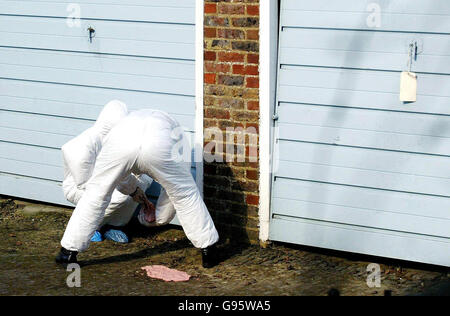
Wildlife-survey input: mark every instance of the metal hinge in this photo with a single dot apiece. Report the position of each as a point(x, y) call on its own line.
point(275, 117)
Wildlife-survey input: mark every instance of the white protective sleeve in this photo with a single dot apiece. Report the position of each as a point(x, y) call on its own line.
point(79, 155)
point(128, 185)
point(122, 207)
point(71, 192)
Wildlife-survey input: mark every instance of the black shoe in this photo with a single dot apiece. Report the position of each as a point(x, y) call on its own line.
point(210, 257)
point(66, 257)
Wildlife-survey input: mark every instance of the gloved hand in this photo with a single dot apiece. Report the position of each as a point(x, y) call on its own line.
point(139, 196)
point(147, 215)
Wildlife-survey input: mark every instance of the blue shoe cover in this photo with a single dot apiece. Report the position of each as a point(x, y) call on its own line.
point(116, 236)
point(97, 237)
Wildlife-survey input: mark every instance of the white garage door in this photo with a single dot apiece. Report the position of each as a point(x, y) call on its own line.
point(356, 169)
point(56, 75)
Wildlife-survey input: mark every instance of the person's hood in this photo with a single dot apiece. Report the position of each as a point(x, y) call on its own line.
point(111, 114)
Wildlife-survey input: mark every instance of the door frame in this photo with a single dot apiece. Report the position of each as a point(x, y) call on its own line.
point(199, 93)
point(269, 29)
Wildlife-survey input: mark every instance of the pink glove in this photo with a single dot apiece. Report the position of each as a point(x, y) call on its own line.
point(147, 215)
point(149, 211)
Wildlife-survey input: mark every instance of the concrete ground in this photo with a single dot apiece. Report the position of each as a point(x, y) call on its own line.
point(31, 234)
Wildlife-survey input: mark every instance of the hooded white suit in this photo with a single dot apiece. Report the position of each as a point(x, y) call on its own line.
point(79, 157)
point(141, 144)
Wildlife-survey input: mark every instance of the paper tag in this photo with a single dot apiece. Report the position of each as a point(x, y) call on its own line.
point(408, 87)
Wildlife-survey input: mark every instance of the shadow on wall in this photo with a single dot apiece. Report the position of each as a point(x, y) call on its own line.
point(225, 198)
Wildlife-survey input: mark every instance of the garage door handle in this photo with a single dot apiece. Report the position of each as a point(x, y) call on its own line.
point(91, 31)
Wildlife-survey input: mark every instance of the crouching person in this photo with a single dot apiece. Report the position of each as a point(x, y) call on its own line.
point(79, 157)
point(142, 144)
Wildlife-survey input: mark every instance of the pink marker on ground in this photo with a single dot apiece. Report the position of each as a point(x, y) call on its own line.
point(166, 274)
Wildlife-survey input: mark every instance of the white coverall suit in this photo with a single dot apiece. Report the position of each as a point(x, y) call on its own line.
point(141, 143)
point(79, 157)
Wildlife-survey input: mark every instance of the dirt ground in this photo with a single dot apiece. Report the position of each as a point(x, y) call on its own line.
point(30, 241)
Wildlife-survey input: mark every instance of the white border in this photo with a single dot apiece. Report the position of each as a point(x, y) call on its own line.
point(268, 76)
point(199, 77)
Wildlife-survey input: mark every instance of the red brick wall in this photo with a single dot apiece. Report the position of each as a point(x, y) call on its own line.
point(231, 100)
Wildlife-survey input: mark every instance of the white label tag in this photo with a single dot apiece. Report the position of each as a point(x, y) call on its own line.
point(408, 87)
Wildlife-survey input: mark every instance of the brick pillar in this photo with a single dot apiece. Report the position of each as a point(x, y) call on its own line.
point(231, 89)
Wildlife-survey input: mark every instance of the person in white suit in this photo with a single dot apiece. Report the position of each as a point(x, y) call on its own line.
point(143, 143)
point(79, 157)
